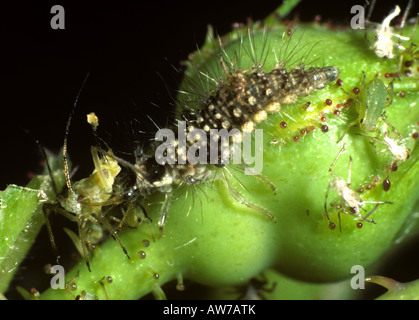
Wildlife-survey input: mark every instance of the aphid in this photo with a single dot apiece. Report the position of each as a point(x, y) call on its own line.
point(84, 200)
point(371, 105)
point(348, 201)
point(397, 147)
point(384, 44)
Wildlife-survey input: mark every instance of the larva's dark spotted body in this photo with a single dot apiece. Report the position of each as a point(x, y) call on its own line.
point(241, 102)
point(247, 99)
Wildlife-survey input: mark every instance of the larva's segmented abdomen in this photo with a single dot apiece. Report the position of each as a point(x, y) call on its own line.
point(246, 99)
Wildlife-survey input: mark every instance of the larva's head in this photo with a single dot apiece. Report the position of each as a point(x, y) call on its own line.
point(332, 73)
point(322, 76)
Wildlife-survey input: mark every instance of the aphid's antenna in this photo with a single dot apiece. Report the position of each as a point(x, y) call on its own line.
point(67, 129)
point(336, 160)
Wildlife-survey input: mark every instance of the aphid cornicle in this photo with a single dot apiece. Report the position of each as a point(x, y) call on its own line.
point(348, 201)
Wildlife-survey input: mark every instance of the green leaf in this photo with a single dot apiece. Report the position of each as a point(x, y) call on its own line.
point(21, 218)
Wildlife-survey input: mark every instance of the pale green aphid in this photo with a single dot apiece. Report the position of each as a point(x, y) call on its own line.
point(371, 104)
point(374, 100)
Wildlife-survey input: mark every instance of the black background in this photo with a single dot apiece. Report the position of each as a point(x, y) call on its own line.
point(132, 51)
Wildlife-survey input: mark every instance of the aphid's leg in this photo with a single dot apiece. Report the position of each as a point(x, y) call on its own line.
point(125, 215)
point(46, 208)
point(386, 132)
point(50, 234)
point(129, 212)
point(336, 160)
point(352, 124)
point(390, 90)
point(349, 172)
point(377, 203)
point(325, 204)
point(367, 215)
point(113, 233)
point(340, 221)
point(263, 179)
point(81, 223)
point(239, 198)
